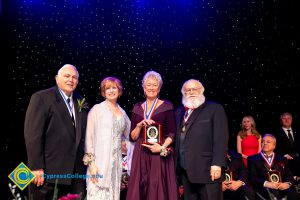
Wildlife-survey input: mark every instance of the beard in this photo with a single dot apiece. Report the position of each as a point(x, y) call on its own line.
point(193, 102)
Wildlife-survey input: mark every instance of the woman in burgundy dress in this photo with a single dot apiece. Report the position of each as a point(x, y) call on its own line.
point(152, 171)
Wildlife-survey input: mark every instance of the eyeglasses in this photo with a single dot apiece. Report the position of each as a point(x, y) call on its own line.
point(189, 90)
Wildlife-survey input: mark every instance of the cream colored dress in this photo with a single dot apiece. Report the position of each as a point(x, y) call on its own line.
point(103, 138)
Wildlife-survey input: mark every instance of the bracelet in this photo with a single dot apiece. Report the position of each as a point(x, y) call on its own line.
point(88, 158)
point(164, 151)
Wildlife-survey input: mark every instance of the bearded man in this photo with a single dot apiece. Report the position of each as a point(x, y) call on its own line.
point(201, 144)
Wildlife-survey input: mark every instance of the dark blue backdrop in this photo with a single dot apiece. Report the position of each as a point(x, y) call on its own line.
point(244, 52)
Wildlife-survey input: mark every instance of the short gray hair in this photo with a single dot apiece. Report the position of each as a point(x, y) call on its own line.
point(67, 65)
point(155, 75)
point(285, 114)
point(270, 135)
point(192, 80)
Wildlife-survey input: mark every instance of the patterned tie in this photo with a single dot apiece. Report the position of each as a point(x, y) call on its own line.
point(73, 120)
point(290, 136)
point(186, 114)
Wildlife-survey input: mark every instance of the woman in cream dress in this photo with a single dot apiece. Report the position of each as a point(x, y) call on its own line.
point(107, 126)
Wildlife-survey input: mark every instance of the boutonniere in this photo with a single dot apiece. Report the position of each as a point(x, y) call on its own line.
point(281, 164)
point(82, 104)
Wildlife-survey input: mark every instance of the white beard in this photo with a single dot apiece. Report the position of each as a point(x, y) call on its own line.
point(193, 103)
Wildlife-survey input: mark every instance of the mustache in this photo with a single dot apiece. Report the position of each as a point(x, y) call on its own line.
point(193, 103)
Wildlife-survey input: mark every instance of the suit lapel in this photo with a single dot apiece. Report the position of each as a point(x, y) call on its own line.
point(180, 120)
point(64, 112)
point(284, 135)
point(286, 139)
point(78, 120)
point(193, 117)
point(278, 164)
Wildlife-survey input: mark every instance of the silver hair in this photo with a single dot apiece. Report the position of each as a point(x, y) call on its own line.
point(155, 75)
point(192, 80)
point(270, 135)
point(67, 65)
point(285, 114)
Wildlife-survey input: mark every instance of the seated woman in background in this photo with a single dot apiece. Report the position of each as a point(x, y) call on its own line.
point(248, 139)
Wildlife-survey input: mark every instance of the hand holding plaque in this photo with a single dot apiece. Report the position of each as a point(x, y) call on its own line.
point(274, 176)
point(152, 133)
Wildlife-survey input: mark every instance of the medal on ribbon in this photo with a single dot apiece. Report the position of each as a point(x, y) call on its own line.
point(152, 133)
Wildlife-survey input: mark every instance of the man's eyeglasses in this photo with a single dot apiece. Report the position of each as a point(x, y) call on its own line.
point(189, 90)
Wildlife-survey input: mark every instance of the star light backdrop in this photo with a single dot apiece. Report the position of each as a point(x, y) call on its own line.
point(245, 53)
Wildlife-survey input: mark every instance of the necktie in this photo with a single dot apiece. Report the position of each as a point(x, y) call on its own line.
point(290, 136)
point(269, 157)
point(73, 120)
point(185, 119)
point(186, 114)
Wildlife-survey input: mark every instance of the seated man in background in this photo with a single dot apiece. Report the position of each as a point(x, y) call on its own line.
point(127, 151)
point(235, 184)
point(269, 173)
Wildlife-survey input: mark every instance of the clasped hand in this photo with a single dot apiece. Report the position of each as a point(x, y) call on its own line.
point(277, 186)
point(39, 177)
point(93, 170)
point(231, 185)
point(145, 122)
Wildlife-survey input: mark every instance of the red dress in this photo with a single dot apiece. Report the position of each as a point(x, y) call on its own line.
point(250, 146)
point(152, 177)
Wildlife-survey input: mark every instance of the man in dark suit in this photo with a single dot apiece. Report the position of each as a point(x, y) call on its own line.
point(236, 178)
point(288, 142)
point(201, 144)
point(54, 133)
point(269, 172)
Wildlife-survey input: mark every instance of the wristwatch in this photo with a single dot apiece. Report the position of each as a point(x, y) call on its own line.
point(243, 183)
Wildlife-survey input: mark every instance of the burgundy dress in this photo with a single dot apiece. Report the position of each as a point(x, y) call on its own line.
point(152, 176)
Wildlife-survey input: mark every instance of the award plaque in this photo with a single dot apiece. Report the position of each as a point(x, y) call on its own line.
point(152, 133)
point(228, 175)
point(274, 176)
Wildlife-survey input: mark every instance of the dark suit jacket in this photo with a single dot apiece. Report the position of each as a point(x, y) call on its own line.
point(52, 143)
point(236, 165)
point(205, 141)
point(258, 171)
point(283, 145)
